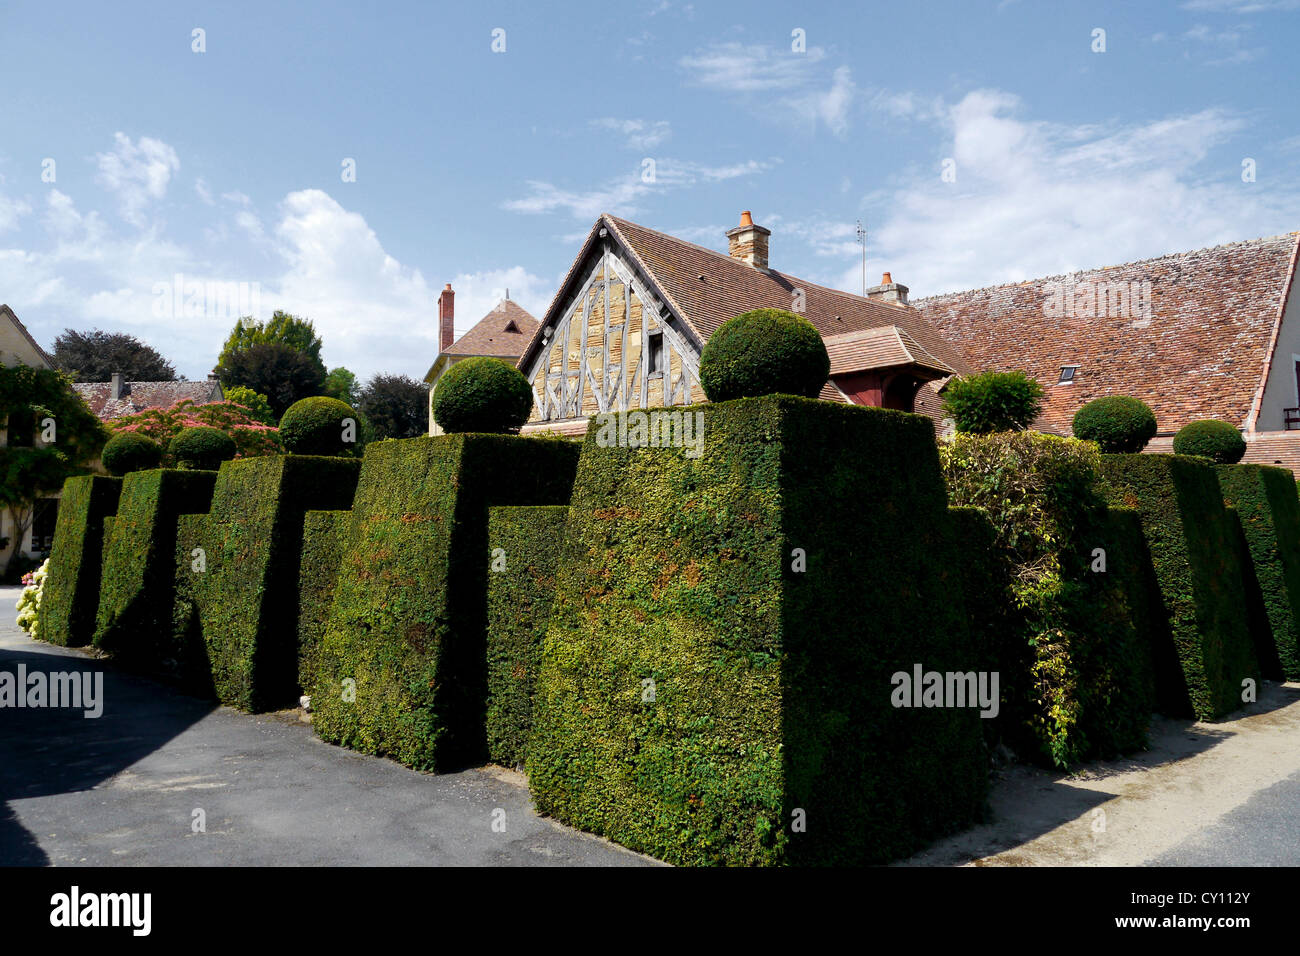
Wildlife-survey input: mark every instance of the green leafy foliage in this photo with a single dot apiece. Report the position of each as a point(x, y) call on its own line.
point(1266, 503)
point(321, 426)
point(1219, 441)
point(409, 619)
point(993, 402)
point(701, 680)
point(126, 452)
point(324, 534)
point(202, 447)
point(525, 545)
point(95, 356)
point(255, 403)
point(762, 352)
point(343, 385)
point(137, 583)
point(283, 329)
point(483, 395)
point(396, 406)
point(251, 436)
point(1191, 542)
point(1117, 423)
point(1076, 675)
point(283, 374)
point(71, 594)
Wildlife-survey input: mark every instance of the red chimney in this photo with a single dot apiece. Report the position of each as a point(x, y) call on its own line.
point(446, 317)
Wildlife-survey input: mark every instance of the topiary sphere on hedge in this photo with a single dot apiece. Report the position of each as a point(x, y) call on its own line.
point(482, 395)
point(202, 447)
point(128, 452)
point(1117, 423)
point(1213, 439)
point(762, 352)
point(320, 426)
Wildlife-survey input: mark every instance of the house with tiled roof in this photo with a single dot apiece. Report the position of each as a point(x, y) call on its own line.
point(628, 324)
point(1213, 333)
point(503, 333)
point(117, 398)
point(17, 347)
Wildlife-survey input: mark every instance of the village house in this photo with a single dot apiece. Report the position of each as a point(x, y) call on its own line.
point(627, 326)
point(503, 333)
point(117, 398)
point(17, 347)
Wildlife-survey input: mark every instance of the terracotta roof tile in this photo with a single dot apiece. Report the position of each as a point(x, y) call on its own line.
point(138, 396)
point(493, 334)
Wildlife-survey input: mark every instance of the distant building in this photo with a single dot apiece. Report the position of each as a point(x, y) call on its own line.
point(503, 333)
point(17, 347)
point(117, 398)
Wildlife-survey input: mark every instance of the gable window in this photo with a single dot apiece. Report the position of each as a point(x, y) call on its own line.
point(1067, 374)
point(656, 352)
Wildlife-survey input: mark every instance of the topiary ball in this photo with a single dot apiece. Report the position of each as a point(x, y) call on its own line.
point(1118, 423)
point(482, 395)
point(127, 452)
point(202, 447)
point(320, 426)
point(762, 352)
point(1212, 439)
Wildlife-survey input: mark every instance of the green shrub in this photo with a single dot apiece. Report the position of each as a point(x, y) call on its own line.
point(762, 352)
point(1266, 502)
point(409, 616)
point(323, 535)
point(1075, 673)
point(240, 611)
point(1117, 423)
point(525, 547)
point(1218, 441)
point(993, 402)
point(1191, 542)
point(706, 683)
point(320, 426)
point(483, 395)
point(1255, 611)
point(126, 452)
point(71, 593)
point(137, 585)
point(201, 447)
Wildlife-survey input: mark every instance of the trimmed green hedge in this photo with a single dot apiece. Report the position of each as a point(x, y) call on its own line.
point(762, 352)
point(1219, 441)
point(482, 394)
point(1256, 611)
point(524, 547)
point(716, 682)
point(1266, 501)
point(1192, 545)
point(245, 604)
point(137, 585)
point(323, 535)
point(71, 595)
point(409, 616)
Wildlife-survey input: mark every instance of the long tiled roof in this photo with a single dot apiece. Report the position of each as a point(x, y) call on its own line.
point(1200, 350)
point(137, 396)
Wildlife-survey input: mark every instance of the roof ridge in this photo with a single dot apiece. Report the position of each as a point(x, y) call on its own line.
point(1117, 265)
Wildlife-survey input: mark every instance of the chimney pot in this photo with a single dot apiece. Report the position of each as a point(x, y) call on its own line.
point(886, 279)
point(446, 318)
point(748, 242)
point(889, 291)
point(115, 387)
point(746, 219)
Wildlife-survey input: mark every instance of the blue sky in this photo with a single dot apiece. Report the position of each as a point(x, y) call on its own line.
point(485, 169)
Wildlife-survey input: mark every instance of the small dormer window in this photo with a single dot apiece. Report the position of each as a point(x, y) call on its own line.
point(511, 327)
point(1067, 374)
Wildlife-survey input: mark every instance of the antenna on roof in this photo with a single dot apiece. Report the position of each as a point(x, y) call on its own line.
point(862, 238)
point(507, 293)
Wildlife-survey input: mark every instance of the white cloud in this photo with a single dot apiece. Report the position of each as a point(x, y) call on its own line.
point(137, 172)
point(12, 210)
point(203, 192)
point(1241, 6)
point(755, 68)
point(830, 107)
point(637, 133)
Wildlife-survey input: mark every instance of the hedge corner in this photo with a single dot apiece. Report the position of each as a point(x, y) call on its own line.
point(71, 598)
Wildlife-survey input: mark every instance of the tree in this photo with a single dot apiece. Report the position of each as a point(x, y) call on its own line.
point(251, 436)
point(397, 406)
point(282, 373)
point(993, 402)
point(95, 355)
point(283, 329)
point(342, 384)
point(256, 403)
point(52, 435)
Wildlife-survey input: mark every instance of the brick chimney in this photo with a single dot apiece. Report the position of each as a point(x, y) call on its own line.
point(115, 387)
point(889, 291)
point(446, 317)
point(748, 242)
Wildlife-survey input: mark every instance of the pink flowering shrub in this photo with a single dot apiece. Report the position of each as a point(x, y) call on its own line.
point(252, 438)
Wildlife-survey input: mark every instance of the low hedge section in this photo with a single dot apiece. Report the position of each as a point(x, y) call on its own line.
point(1256, 611)
point(716, 684)
point(402, 665)
point(524, 550)
point(323, 536)
point(1192, 544)
point(244, 603)
point(137, 585)
point(71, 595)
point(1266, 501)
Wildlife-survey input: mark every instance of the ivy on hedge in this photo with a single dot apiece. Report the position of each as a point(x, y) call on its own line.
point(717, 669)
point(408, 622)
point(524, 548)
point(1191, 541)
point(137, 585)
point(1266, 502)
point(244, 604)
point(323, 535)
point(71, 596)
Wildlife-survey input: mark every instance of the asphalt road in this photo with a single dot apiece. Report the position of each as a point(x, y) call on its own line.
point(124, 788)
